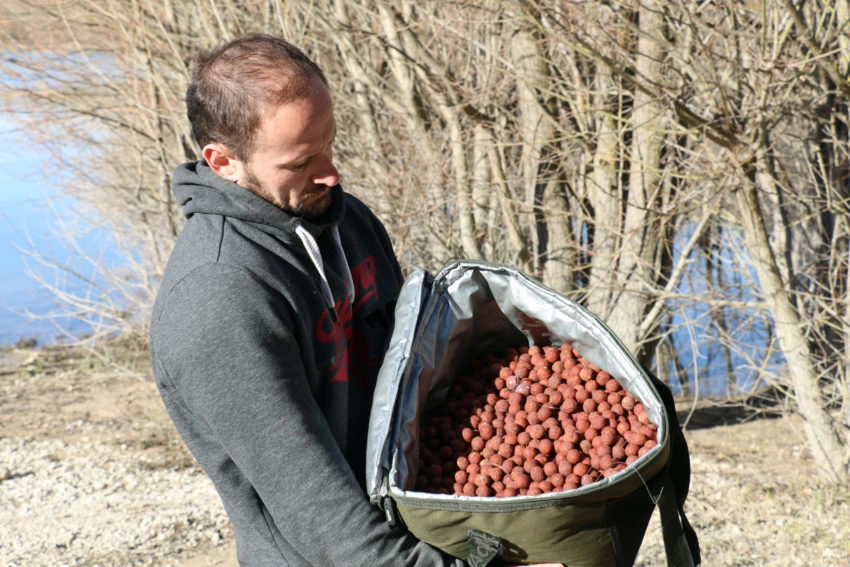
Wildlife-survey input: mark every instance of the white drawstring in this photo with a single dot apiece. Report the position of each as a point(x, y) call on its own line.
point(316, 257)
point(349, 281)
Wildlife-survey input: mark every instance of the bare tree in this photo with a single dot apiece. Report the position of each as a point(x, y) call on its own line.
point(99, 85)
point(646, 158)
point(750, 79)
point(663, 99)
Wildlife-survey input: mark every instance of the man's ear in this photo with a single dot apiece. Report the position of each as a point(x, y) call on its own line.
point(222, 161)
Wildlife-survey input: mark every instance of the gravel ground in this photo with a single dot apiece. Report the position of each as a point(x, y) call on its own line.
point(92, 474)
point(92, 503)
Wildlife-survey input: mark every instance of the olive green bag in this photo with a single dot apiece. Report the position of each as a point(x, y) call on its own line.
point(445, 322)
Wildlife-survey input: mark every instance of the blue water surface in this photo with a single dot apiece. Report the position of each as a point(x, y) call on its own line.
point(28, 221)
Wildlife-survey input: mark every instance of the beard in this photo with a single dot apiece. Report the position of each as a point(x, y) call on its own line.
point(312, 204)
point(309, 205)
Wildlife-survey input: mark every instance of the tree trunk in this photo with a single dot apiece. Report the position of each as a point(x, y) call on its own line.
point(543, 193)
point(628, 227)
point(823, 440)
point(603, 193)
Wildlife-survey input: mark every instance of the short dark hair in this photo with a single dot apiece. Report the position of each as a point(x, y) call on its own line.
point(235, 83)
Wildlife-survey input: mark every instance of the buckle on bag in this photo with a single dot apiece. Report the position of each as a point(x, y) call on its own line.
point(483, 548)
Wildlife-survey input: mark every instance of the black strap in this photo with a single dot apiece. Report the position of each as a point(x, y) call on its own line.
point(680, 539)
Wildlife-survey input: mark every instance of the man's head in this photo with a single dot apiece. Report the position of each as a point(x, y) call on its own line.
point(261, 111)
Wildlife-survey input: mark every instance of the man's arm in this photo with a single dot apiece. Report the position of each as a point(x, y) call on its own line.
point(230, 354)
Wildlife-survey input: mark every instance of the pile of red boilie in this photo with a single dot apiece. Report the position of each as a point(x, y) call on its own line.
point(533, 420)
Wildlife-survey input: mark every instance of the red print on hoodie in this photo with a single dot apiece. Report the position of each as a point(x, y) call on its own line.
point(354, 359)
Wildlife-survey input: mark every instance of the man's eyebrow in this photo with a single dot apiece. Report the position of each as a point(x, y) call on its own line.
point(296, 162)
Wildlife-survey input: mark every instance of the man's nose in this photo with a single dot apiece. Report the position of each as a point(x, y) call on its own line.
point(327, 173)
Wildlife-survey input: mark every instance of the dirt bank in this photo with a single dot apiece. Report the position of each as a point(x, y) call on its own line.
point(92, 473)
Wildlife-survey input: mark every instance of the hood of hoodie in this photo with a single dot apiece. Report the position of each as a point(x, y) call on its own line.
point(199, 189)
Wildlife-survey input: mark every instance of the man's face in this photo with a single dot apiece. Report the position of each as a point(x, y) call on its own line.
point(292, 162)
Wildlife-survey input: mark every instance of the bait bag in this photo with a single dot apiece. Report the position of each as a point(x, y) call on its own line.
point(445, 322)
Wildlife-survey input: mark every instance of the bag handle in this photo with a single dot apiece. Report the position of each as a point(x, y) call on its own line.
point(680, 539)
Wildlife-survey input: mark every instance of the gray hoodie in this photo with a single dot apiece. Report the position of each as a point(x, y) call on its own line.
point(266, 338)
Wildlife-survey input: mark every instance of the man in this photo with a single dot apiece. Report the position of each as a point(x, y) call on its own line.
point(274, 313)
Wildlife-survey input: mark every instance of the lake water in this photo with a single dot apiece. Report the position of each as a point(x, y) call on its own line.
point(26, 222)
